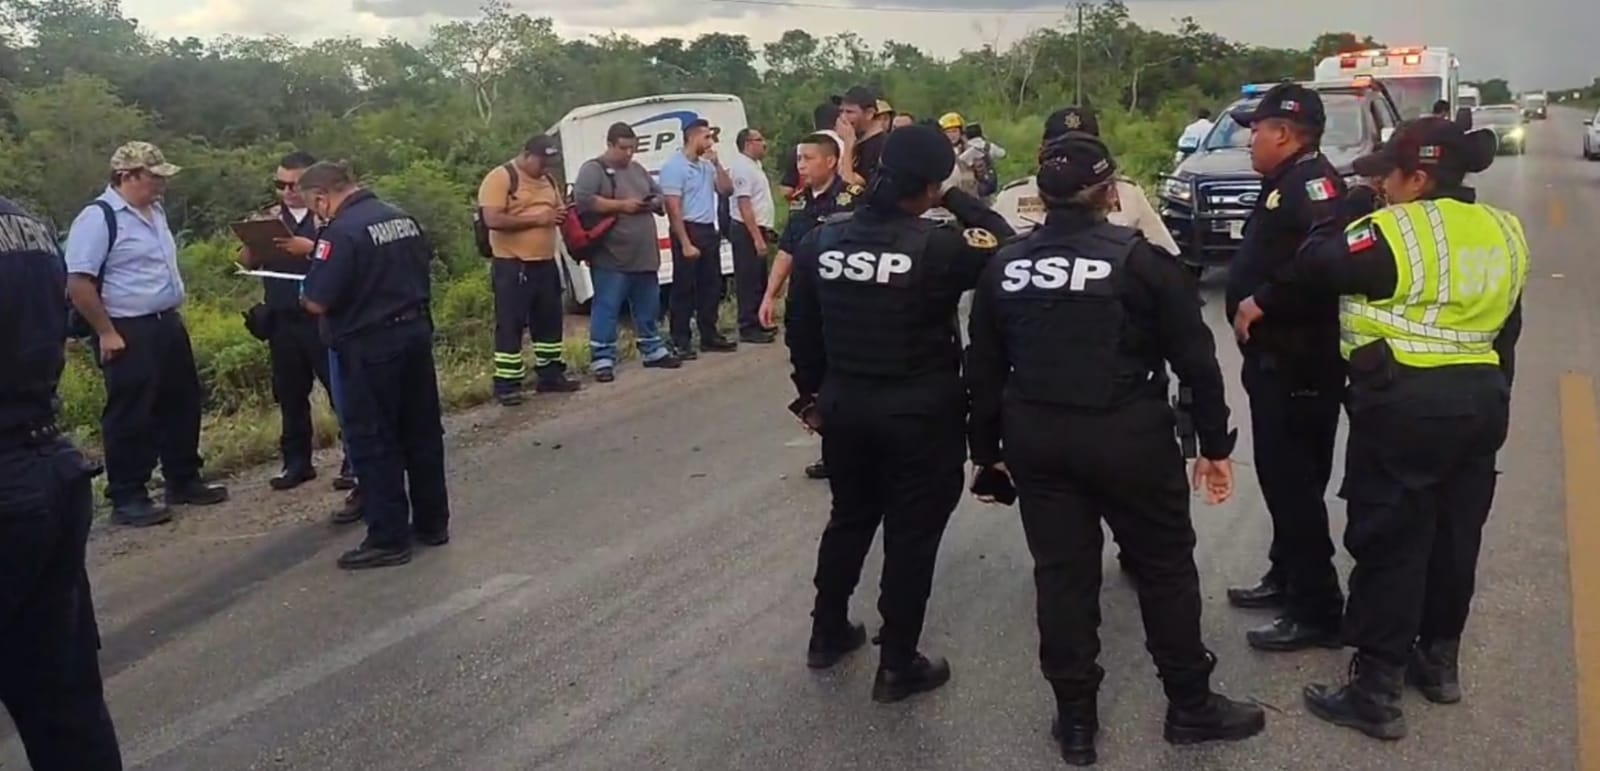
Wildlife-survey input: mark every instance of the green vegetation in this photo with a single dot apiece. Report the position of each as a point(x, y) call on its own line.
point(423, 121)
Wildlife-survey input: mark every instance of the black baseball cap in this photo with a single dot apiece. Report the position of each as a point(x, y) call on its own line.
point(1072, 118)
point(1286, 101)
point(1442, 147)
point(543, 146)
point(1072, 163)
point(918, 153)
point(860, 96)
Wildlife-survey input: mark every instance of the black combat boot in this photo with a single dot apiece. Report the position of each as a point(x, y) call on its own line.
point(897, 683)
point(831, 641)
point(1077, 720)
point(1433, 670)
point(1369, 702)
point(1197, 714)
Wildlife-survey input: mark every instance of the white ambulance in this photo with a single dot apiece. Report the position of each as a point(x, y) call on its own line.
point(1416, 76)
point(658, 121)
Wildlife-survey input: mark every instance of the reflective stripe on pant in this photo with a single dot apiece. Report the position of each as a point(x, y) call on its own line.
point(641, 291)
point(49, 645)
point(527, 297)
point(153, 403)
point(391, 399)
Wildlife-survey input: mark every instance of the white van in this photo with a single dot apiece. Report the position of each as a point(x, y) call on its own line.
point(659, 122)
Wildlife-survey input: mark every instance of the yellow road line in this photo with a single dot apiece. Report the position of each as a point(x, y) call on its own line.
point(1580, 440)
point(1558, 218)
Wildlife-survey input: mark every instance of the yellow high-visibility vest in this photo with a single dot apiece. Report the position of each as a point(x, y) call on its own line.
point(1461, 269)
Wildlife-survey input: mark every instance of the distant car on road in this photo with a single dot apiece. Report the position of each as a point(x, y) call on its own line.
point(1508, 124)
point(1591, 137)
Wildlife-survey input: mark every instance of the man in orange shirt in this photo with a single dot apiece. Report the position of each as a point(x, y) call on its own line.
point(523, 208)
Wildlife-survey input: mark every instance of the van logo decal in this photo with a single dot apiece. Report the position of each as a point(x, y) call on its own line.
point(661, 140)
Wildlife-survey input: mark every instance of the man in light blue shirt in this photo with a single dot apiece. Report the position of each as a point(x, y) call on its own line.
point(691, 180)
point(124, 284)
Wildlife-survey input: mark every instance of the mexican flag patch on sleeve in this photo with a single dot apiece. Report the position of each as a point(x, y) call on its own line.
point(1321, 189)
point(1360, 239)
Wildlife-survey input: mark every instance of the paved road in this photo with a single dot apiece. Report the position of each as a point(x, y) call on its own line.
point(629, 583)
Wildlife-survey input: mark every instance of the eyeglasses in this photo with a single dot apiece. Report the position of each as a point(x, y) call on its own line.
point(282, 185)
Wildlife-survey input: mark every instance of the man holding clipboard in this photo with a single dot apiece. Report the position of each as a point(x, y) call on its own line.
point(278, 240)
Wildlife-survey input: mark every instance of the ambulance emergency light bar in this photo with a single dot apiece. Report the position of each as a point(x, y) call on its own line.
point(1380, 56)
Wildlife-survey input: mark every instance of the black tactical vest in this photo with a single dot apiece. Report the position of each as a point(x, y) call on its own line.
point(1059, 303)
point(884, 314)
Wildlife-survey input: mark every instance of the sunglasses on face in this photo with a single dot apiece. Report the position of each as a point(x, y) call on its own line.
point(282, 185)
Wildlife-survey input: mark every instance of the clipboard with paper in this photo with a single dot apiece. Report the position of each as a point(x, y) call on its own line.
point(262, 236)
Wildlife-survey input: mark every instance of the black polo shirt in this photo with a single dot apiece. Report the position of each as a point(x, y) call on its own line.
point(369, 267)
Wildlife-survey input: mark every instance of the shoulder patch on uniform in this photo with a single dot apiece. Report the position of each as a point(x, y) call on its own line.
point(1321, 189)
point(853, 189)
point(1360, 238)
point(324, 250)
point(1273, 199)
point(843, 199)
point(978, 238)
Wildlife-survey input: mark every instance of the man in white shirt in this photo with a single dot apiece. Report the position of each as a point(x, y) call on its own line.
point(753, 221)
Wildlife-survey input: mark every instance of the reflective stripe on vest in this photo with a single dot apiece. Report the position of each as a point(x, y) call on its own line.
point(1460, 269)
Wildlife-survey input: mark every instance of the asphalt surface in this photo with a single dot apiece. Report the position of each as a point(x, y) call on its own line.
point(629, 582)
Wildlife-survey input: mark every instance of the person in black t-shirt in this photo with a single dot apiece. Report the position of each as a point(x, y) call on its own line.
point(862, 133)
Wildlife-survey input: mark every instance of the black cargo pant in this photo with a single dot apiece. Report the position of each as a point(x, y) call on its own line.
point(153, 403)
point(696, 286)
point(299, 360)
point(1294, 423)
point(1419, 481)
point(896, 454)
point(1074, 469)
point(396, 434)
point(749, 276)
point(527, 297)
point(49, 645)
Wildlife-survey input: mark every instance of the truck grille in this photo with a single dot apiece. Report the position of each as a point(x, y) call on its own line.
point(1228, 197)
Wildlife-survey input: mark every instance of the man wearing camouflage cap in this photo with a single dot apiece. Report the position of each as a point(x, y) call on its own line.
point(125, 286)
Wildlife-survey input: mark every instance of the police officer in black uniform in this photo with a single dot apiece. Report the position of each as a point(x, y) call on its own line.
point(49, 644)
point(370, 279)
point(872, 342)
point(1292, 370)
point(298, 353)
point(1072, 329)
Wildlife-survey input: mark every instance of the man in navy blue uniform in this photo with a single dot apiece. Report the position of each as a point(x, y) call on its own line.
point(49, 666)
point(369, 279)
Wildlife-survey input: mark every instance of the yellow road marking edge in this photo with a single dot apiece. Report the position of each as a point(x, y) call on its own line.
point(1580, 441)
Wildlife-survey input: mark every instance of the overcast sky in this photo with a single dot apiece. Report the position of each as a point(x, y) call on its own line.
point(1534, 43)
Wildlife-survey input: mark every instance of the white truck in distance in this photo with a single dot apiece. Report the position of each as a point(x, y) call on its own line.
point(1468, 97)
point(659, 122)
